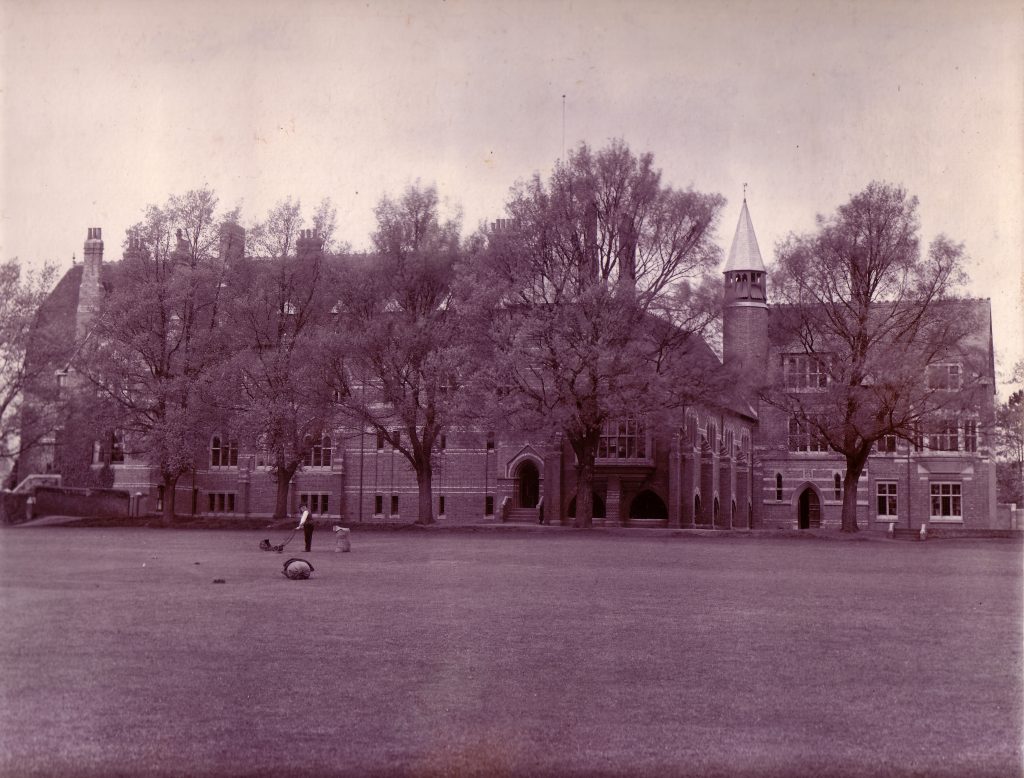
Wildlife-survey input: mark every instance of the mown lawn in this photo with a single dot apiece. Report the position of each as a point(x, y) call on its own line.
point(507, 654)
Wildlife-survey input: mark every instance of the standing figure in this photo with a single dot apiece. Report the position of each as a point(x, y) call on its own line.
point(306, 525)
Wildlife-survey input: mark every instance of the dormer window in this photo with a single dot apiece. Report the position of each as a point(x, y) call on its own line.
point(944, 377)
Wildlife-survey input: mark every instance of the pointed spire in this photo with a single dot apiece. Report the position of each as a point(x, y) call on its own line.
point(744, 254)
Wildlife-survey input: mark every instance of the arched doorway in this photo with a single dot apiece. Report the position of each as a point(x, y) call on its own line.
point(809, 509)
point(648, 505)
point(716, 511)
point(527, 484)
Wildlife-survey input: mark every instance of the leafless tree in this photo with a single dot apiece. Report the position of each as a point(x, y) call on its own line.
point(587, 320)
point(873, 341)
point(151, 350)
point(31, 350)
point(270, 386)
point(398, 352)
point(1009, 440)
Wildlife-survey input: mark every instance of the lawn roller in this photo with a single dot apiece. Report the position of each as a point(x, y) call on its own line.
point(266, 546)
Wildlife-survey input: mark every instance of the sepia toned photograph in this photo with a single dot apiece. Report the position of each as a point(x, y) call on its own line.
point(512, 388)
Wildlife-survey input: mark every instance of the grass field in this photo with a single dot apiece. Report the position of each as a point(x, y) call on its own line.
point(507, 654)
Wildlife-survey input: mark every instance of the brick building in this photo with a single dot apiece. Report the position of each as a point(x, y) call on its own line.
point(728, 464)
point(945, 477)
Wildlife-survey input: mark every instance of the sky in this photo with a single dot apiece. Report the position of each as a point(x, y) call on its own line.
point(109, 105)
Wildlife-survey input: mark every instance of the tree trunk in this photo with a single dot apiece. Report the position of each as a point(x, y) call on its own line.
point(585, 454)
point(424, 481)
point(284, 482)
point(853, 470)
point(281, 498)
point(170, 485)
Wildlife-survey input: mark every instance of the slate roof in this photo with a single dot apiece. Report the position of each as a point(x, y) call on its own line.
point(744, 253)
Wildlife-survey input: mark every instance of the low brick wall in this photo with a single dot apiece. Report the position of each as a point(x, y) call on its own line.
point(966, 532)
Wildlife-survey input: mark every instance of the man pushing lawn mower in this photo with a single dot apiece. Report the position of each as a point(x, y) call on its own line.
point(306, 525)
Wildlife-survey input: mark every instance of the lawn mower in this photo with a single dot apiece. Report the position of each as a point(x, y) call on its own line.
point(265, 544)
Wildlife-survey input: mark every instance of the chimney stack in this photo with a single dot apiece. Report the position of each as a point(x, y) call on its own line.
point(232, 243)
point(134, 250)
point(90, 292)
point(94, 249)
point(182, 250)
point(309, 245)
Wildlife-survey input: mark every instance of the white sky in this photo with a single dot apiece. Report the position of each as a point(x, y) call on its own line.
point(108, 105)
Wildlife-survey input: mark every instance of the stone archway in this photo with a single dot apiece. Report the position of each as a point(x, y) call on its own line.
point(808, 509)
point(527, 484)
point(648, 505)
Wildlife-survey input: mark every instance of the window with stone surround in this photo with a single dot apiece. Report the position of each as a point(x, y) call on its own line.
point(970, 435)
point(886, 444)
point(317, 502)
point(946, 502)
point(804, 371)
point(223, 452)
point(622, 439)
point(944, 377)
point(942, 435)
point(221, 502)
point(319, 453)
point(804, 436)
point(886, 500)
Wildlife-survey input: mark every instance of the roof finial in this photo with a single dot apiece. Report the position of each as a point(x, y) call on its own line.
point(744, 191)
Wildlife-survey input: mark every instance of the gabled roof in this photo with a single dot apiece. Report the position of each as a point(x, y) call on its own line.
point(744, 254)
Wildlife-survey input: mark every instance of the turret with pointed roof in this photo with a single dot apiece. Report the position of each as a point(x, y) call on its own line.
point(745, 318)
